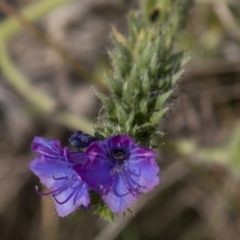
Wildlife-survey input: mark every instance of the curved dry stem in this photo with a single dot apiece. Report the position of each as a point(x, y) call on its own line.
point(34, 12)
point(39, 99)
point(24, 19)
point(227, 19)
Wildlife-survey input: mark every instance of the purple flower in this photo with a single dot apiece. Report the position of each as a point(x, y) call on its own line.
point(56, 168)
point(120, 171)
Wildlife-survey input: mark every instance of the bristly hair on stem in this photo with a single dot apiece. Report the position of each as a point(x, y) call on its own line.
point(145, 68)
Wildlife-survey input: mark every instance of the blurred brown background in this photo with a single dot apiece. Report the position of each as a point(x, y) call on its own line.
point(62, 56)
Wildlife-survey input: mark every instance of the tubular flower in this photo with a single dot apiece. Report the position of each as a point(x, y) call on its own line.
point(56, 169)
point(120, 171)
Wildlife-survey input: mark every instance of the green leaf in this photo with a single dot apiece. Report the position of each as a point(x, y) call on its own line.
point(134, 78)
point(176, 76)
point(156, 116)
point(144, 106)
point(105, 213)
point(154, 64)
point(161, 99)
point(119, 65)
point(127, 91)
point(114, 86)
point(108, 105)
point(145, 55)
point(123, 51)
point(146, 84)
point(132, 28)
point(121, 114)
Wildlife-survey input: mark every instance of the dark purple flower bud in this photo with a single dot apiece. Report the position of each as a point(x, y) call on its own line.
point(81, 140)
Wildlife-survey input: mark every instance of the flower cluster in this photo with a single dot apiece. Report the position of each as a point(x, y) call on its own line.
point(116, 168)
